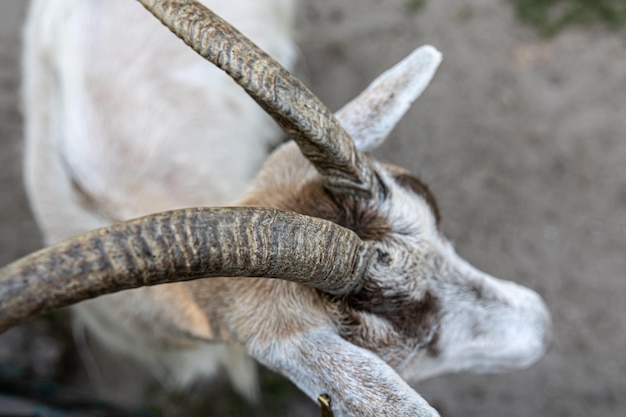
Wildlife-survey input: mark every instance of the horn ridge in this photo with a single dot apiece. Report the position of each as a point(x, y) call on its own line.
point(184, 245)
point(286, 99)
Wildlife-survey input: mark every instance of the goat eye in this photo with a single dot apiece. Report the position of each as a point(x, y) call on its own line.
point(383, 191)
point(383, 257)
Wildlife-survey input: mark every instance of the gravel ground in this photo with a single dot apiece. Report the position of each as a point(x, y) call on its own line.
point(522, 139)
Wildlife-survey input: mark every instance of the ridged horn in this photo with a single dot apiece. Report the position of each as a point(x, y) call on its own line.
point(286, 99)
point(183, 245)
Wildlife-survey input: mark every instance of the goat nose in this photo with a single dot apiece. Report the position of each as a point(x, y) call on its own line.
point(526, 323)
point(539, 326)
point(546, 325)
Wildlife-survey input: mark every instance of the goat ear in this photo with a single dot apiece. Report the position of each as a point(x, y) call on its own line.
point(358, 382)
point(371, 116)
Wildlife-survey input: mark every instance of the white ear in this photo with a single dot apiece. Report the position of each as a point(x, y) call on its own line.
point(358, 383)
point(371, 116)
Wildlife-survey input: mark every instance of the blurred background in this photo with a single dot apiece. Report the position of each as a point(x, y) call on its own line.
point(522, 136)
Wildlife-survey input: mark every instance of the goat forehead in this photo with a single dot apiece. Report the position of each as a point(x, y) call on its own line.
point(413, 250)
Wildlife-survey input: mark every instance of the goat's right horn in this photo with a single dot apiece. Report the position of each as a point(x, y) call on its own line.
point(286, 99)
point(183, 245)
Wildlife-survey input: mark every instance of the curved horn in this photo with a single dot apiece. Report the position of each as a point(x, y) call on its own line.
point(183, 245)
point(296, 109)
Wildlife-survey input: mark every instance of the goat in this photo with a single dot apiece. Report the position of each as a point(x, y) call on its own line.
point(331, 270)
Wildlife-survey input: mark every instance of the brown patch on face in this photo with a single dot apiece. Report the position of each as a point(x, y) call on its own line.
point(414, 184)
point(412, 323)
point(409, 317)
point(362, 217)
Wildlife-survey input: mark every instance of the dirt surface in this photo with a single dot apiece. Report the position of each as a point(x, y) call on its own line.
point(523, 140)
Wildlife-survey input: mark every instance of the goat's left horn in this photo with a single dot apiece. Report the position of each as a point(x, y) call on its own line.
point(179, 246)
point(286, 99)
